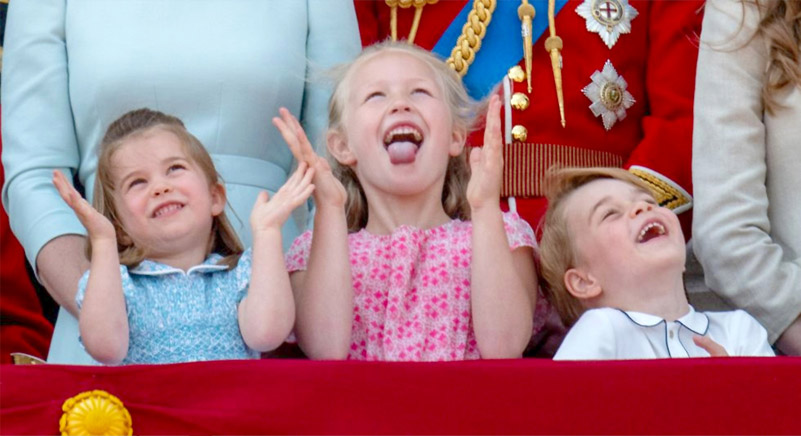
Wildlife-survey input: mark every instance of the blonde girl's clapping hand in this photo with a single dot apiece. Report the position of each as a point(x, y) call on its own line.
point(324, 291)
point(98, 226)
point(486, 163)
point(504, 282)
point(328, 189)
point(271, 213)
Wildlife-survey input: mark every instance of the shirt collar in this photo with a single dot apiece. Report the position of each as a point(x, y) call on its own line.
point(152, 268)
point(697, 322)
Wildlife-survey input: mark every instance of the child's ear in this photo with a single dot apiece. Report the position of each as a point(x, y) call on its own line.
point(338, 147)
point(581, 284)
point(458, 139)
point(218, 198)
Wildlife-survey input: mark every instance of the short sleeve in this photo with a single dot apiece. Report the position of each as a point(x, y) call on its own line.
point(518, 231)
point(128, 288)
point(591, 338)
point(298, 255)
point(241, 274)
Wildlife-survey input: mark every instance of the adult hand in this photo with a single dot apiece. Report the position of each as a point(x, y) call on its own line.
point(59, 265)
point(789, 342)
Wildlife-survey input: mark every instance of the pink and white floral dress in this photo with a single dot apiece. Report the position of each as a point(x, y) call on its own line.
point(412, 290)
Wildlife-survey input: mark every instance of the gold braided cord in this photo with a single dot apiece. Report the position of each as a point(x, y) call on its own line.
point(418, 13)
point(473, 32)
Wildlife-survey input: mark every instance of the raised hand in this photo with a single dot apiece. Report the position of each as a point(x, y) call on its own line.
point(486, 163)
point(328, 189)
point(271, 213)
point(713, 348)
point(98, 226)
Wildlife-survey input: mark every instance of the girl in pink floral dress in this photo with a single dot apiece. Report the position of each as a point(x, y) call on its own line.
point(409, 261)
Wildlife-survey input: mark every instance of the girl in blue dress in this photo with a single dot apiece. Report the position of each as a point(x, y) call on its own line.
point(169, 281)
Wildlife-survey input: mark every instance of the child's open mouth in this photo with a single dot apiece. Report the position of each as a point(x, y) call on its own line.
point(402, 143)
point(651, 230)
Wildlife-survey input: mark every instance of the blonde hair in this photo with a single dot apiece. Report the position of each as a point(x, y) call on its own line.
point(462, 109)
point(139, 122)
point(557, 251)
point(780, 27)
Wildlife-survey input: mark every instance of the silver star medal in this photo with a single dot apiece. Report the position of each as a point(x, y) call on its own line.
point(608, 94)
point(608, 18)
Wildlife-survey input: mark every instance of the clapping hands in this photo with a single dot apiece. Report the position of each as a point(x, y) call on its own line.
point(271, 213)
point(329, 190)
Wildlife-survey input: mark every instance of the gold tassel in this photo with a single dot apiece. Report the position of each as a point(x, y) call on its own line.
point(526, 13)
point(553, 45)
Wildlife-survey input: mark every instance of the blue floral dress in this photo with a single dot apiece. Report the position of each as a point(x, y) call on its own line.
point(177, 316)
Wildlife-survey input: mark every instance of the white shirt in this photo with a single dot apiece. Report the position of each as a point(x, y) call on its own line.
point(608, 333)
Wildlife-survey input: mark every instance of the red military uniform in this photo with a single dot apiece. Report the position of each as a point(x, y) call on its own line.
point(643, 122)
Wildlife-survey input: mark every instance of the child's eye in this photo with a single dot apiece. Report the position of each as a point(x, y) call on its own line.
point(373, 95)
point(608, 214)
point(176, 167)
point(136, 182)
point(422, 91)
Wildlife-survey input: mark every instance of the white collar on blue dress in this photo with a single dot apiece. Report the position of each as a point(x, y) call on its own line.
point(152, 268)
point(697, 322)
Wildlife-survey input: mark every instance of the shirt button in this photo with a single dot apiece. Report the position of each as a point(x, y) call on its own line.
point(670, 333)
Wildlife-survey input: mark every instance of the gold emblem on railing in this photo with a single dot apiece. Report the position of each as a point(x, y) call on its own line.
point(95, 413)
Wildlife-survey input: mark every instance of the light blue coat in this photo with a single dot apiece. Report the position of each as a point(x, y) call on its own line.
point(223, 67)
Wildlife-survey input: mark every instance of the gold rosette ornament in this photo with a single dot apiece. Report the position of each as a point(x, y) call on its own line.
point(95, 413)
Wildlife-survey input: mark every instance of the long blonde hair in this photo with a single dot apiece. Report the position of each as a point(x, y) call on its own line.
point(462, 110)
point(780, 27)
point(138, 122)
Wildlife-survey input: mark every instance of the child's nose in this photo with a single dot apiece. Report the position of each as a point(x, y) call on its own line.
point(160, 189)
point(640, 207)
point(400, 104)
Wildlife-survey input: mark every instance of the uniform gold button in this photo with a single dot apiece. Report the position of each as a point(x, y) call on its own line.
point(519, 101)
point(519, 133)
point(517, 74)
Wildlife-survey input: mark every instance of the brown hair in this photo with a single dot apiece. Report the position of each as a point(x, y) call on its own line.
point(557, 251)
point(780, 27)
point(138, 122)
point(462, 110)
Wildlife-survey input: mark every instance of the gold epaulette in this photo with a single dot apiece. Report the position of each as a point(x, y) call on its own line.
point(667, 193)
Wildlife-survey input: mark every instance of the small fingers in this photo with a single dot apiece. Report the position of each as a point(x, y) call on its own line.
point(713, 348)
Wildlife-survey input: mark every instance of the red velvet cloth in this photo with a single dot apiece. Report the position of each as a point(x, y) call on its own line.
point(524, 396)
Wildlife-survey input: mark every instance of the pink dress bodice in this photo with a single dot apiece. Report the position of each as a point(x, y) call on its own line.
point(412, 290)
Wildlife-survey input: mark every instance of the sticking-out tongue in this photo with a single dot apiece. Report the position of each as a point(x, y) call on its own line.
point(401, 152)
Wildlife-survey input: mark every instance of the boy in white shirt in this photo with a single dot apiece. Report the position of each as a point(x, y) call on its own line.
point(613, 259)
